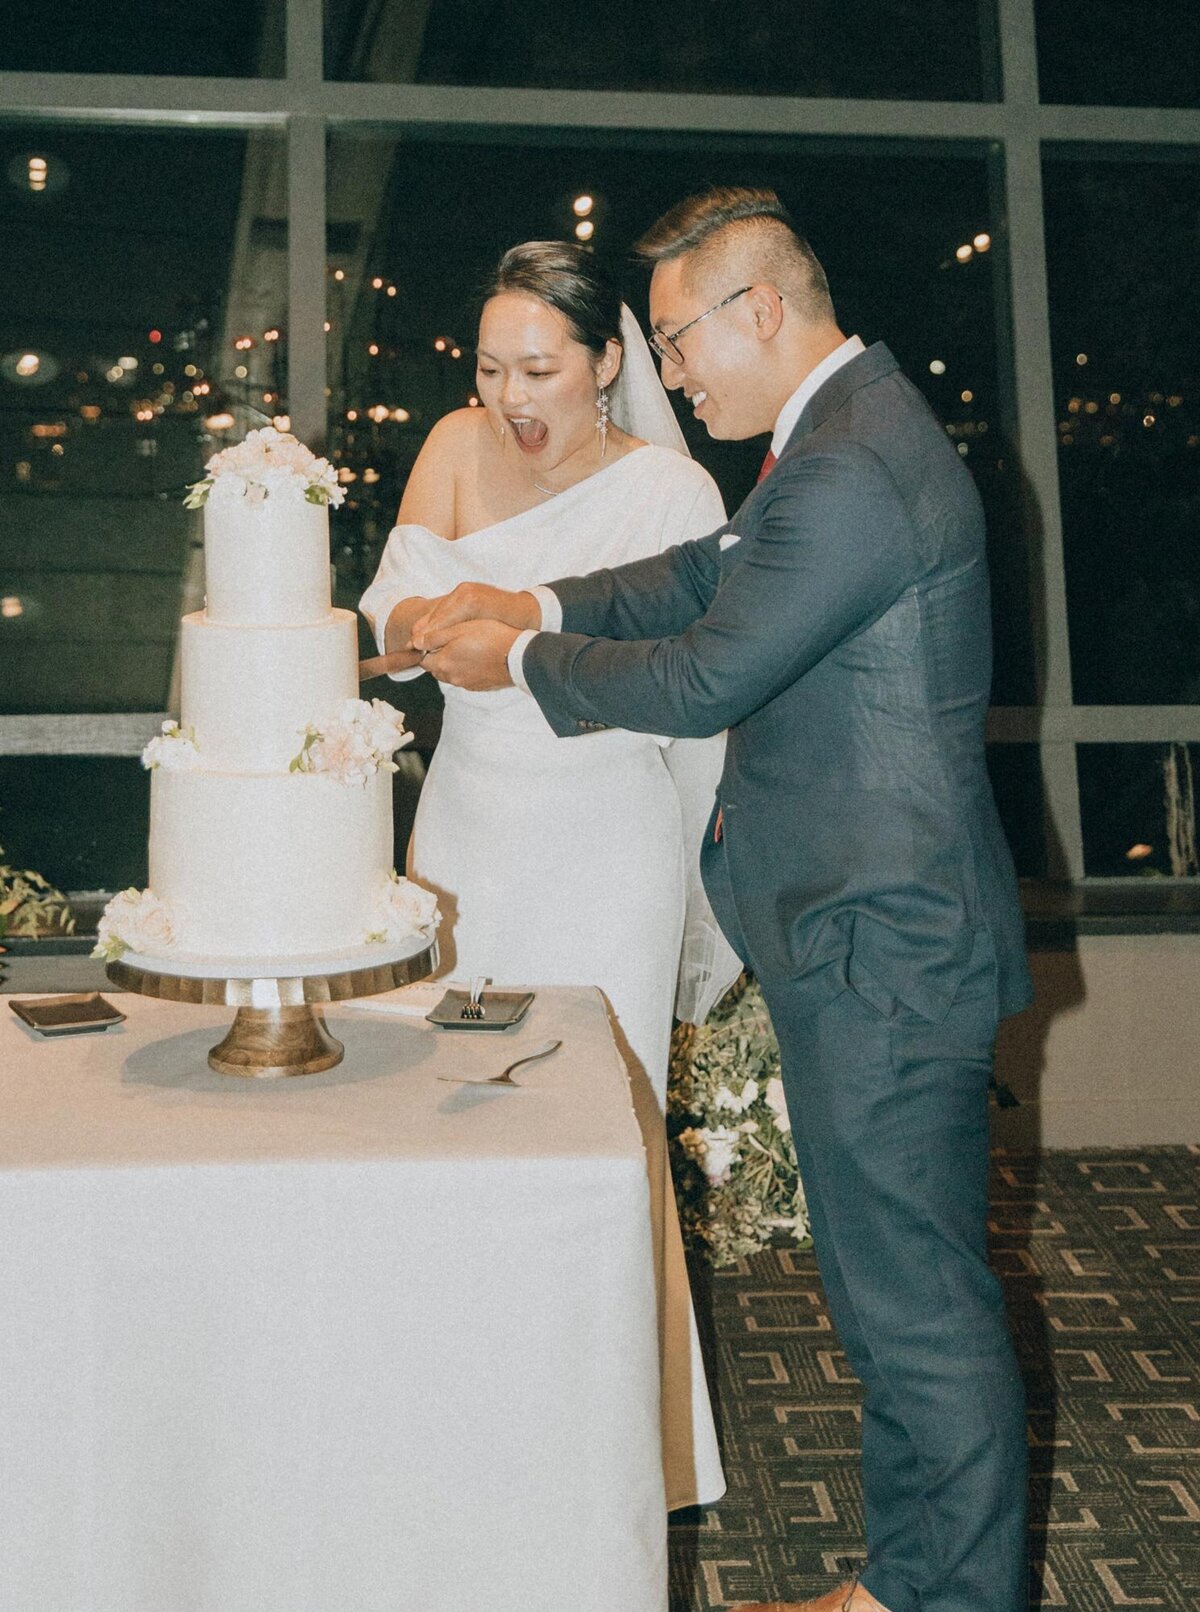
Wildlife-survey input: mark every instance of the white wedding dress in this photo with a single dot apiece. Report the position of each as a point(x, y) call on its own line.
point(572, 861)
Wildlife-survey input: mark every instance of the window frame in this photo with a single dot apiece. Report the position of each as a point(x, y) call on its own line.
point(1015, 127)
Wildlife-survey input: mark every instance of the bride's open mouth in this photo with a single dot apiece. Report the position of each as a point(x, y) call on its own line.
point(530, 434)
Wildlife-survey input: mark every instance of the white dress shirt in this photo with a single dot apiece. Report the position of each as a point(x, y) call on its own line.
point(789, 414)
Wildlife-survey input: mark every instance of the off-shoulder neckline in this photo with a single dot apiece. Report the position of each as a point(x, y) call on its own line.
point(587, 482)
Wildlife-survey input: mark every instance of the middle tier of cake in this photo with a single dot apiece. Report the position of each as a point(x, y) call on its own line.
point(248, 693)
point(269, 866)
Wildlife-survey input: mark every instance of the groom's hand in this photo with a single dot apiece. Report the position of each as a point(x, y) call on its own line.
point(475, 601)
point(471, 654)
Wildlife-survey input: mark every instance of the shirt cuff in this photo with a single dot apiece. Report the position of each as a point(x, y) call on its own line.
point(551, 608)
point(516, 658)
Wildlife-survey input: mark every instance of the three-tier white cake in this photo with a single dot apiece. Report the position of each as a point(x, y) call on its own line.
point(271, 798)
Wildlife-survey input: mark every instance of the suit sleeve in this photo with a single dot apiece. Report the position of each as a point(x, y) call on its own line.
point(832, 548)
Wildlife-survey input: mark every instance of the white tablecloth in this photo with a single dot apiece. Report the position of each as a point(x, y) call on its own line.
point(354, 1342)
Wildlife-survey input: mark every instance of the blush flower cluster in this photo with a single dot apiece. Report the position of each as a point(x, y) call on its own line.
point(354, 743)
point(267, 464)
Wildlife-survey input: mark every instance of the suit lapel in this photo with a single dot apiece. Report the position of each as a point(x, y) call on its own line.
point(864, 368)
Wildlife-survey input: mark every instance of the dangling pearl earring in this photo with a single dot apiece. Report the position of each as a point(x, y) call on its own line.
point(602, 419)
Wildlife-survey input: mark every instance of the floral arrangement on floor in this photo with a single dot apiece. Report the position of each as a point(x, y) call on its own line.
point(355, 743)
point(174, 749)
point(30, 905)
point(731, 1145)
point(266, 464)
point(403, 908)
point(134, 920)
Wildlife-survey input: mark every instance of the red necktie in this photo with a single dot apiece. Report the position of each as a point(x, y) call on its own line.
point(768, 465)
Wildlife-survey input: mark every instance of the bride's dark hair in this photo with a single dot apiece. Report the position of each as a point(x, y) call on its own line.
point(567, 278)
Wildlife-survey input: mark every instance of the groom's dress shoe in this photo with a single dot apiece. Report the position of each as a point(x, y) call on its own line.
point(851, 1597)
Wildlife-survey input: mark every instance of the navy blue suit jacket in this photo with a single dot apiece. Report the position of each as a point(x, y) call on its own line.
point(839, 627)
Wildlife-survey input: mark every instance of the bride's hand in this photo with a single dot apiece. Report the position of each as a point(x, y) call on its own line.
point(472, 654)
point(475, 601)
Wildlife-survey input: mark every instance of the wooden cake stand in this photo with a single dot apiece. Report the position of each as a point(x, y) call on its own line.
point(276, 1031)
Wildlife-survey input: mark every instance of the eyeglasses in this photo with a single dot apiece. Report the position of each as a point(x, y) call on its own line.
point(665, 346)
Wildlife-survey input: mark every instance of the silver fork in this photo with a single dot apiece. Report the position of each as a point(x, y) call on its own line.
point(473, 1009)
point(504, 1078)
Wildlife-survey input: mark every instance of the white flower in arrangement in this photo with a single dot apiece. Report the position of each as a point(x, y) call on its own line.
point(737, 1105)
point(404, 908)
point(777, 1103)
point(354, 743)
point(174, 749)
point(267, 464)
point(134, 920)
point(720, 1153)
point(714, 1149)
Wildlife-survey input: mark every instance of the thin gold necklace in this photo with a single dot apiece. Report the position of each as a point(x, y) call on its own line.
point(553, 492)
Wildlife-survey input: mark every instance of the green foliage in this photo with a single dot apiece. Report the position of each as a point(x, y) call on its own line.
point(730, 1134)
point(29, 905)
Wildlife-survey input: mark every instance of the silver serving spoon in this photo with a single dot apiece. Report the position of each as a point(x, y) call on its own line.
point(504, 1078)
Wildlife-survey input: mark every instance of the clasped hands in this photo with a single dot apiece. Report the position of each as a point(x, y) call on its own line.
point(465, 636)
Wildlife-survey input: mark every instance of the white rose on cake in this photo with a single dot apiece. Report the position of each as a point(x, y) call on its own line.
point(133, 921)
point(355, 742)
point(174, 748)
point(405, 909)
point(267, 464)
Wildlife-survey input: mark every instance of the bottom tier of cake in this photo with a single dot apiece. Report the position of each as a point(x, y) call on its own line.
point(274, 865)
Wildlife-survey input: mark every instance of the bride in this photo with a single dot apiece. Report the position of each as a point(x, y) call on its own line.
point(566, 864)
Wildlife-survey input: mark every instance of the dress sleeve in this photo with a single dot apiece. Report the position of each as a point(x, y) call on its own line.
point(703, 513)
point(708, 965)
point(401, 575)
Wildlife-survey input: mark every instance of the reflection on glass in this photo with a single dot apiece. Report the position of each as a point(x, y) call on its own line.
point(129, 291)
point(220, 39)
point(425, 222)
point(1016, 774)
point(1112, 53)
point(1138, 805)
point(82, 821)
point(1125, 324)
point(887, 49)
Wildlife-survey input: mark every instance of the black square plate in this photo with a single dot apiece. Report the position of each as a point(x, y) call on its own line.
point(501, 1010)
point(67, 1015)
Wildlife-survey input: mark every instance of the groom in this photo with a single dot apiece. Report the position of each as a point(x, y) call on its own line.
point(838, 626)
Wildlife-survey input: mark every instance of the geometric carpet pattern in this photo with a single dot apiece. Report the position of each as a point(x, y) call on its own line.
point(1099, 1254)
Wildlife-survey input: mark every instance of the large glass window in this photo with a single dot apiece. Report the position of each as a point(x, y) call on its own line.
point(1119, 52)
point(1125, 327)
point(1016, 775)
point(81, 821)
point(141, 298)
point(905, 234)
point(220, 39)
point(887, 49)
point(1138, 804)
point(148, 268)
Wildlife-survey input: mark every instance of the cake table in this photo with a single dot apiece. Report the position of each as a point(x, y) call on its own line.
point(276, 1030)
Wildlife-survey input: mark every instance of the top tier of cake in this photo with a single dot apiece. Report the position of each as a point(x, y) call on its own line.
point(266, 532)
point(266, 563)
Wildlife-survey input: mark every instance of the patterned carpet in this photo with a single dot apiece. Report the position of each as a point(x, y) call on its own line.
point(1100, 1258)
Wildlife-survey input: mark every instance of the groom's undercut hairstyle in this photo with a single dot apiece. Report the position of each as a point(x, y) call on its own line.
point(567, 278)
point(743, 236)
